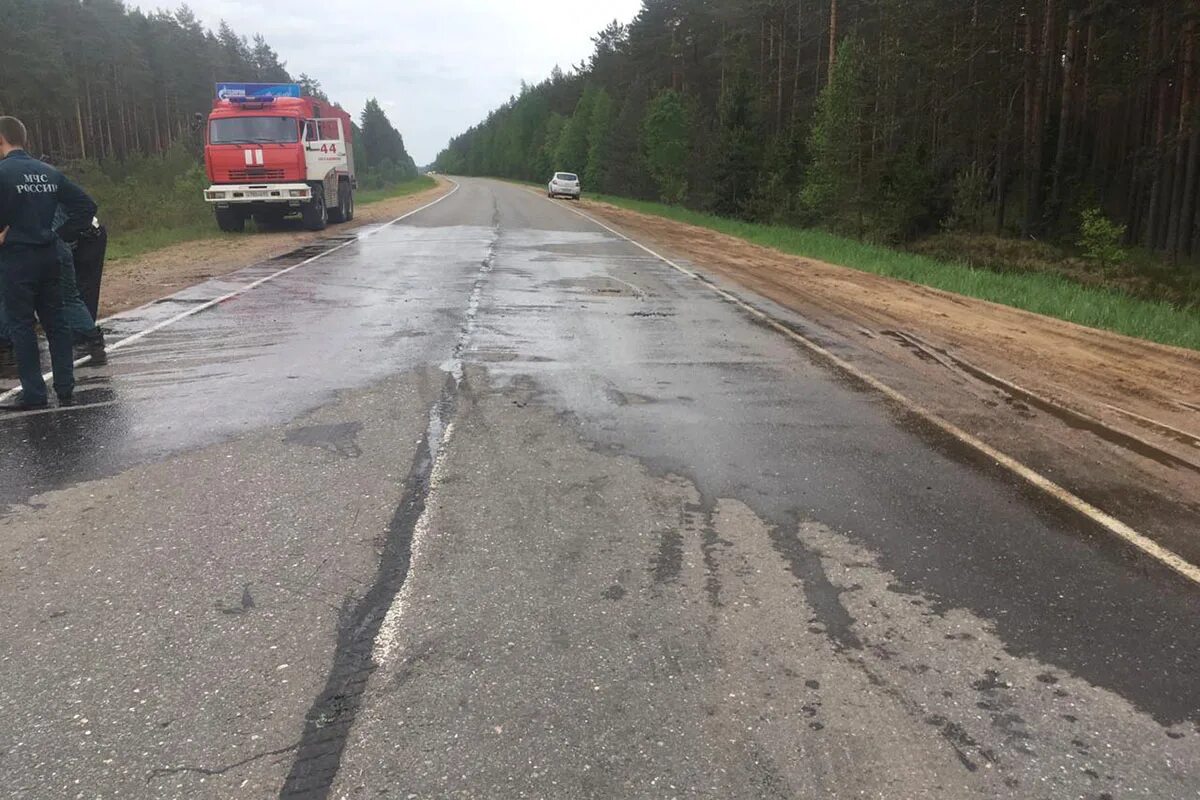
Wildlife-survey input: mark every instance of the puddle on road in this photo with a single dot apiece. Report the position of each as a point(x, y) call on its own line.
point(340, 439)
point(594, 286)
point(311, 250)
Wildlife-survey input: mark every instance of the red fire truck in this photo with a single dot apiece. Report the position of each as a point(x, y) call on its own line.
point(270, 153)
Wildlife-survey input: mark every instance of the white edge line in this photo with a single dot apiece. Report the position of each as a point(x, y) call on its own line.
point(56, 410)
point(1013, 388)
point(1154, 423)
point(239, 291)
point(1130, 536)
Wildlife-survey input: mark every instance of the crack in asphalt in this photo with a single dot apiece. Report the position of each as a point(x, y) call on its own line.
point(330, 718)
point(212, 771)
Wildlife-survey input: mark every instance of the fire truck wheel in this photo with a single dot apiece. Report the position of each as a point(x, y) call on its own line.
point(349, 204)
point(314, 213)
point(342, 212)
point(231, 220)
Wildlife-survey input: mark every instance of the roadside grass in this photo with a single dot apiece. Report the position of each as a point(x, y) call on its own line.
point(1042, 293)
point(1141, 273)
point(197, 223)
point(419, 184)
point(130, 244)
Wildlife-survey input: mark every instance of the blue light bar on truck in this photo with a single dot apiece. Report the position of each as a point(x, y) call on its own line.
point(256, 91)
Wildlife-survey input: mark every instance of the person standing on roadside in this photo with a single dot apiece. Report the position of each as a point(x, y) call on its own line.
point(88, 254)
point(30, 193)
point(86, 257)
point(85, 334)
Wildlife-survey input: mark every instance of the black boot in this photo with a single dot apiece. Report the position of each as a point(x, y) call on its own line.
point(94, 349)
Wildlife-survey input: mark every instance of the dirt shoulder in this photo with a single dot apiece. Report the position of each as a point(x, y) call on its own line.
point(1141, 462)
point(132, 282)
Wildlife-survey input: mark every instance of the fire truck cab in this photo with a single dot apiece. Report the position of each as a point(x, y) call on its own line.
point(271, 156)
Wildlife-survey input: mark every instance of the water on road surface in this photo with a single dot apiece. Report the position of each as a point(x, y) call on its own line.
point(491, 503)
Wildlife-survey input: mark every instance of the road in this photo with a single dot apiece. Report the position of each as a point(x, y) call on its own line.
point(492, 503)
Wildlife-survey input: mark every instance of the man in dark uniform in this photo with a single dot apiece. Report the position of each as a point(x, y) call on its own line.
point(87, 336)
point(30, 192)
point(88, 254)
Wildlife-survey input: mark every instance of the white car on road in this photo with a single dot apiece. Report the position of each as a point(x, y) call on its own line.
point(564, 184)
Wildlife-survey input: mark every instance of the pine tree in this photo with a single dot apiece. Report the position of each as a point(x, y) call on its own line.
point(555, 126)
point(383, 146)
point(738, 151)
point(311, 87)
point(267, 65)
point(626, 172)
point(572, 152)
point(235, 50)
point(665, 145)
point(834, 188)
point(599, 139)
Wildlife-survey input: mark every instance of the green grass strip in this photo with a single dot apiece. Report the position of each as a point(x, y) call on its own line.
point(1050, 295)
point(365, 197)
point(139, 242)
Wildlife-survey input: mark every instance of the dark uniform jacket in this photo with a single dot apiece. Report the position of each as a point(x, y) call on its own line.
point(30, 192)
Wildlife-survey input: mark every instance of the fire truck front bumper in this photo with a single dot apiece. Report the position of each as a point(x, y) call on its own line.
point(292, 194)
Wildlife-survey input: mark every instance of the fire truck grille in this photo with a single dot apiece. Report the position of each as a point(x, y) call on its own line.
point(256, 175)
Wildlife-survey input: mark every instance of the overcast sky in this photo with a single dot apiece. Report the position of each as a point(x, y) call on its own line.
point(437, 66)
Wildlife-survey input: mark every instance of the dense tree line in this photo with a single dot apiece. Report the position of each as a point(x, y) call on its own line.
point(379, 147)
point(883, 118)
point(94, 80)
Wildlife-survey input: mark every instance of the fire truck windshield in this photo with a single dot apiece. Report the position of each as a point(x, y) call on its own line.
point(240, 130)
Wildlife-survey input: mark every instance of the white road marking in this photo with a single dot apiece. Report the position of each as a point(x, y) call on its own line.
point(55, 410)
point(128, 340)
point(387, 640)
point(1162, 427)
point(1110, 523)
point(1013, 389)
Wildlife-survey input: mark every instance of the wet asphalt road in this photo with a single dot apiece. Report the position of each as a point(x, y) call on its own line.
point(489, 503)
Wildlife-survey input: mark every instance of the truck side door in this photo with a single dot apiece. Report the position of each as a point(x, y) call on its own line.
point(326, 154)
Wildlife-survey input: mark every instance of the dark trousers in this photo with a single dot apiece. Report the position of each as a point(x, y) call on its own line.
point(30, 290)
point(89, 269)
point(79, 320)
